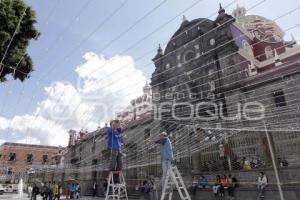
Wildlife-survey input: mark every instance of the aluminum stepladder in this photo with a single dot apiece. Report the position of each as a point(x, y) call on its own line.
point(174, 177)
point(114, 190)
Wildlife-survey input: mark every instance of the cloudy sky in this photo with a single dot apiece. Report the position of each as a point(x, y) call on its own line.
point(94, 56)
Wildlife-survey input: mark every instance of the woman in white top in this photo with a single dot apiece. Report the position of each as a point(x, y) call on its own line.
point(261, 185)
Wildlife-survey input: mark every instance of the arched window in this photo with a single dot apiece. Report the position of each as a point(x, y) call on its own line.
point(168, 65)
point(248, 48)
point(210, 72)
point(269, 52)
point(212, 85)
point(212, 41)
point(189, 55)
point(256, 34)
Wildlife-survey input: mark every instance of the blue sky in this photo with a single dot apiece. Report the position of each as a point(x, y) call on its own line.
point(61, 34)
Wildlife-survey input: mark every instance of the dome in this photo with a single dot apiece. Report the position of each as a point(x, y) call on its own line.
point(258, 23)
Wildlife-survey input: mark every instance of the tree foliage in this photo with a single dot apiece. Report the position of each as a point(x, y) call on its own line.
point(16, 60)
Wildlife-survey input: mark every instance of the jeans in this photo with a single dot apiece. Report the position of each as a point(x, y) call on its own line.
point(33, 197)
point(261, 192)
point(115, 160)
point(166, 164)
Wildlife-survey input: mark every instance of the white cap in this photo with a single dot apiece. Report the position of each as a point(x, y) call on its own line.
point(164, 133)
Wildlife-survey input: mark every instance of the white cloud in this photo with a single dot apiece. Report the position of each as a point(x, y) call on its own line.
point(3, 123)
point(105, 86)
point(37, 130)
point(2, 141)
point(29, 140)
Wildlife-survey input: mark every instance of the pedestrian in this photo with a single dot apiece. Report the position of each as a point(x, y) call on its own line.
point(67, 191)
point(166, 153)
point(73, 191)
point(145, 187)
point(43, 191)
point(29, 189)
point(59, 192)
point(262, 183)
point(224, 185)
point(105, 184)
point(46, 195)
point(217, 187)
point(35, 192)
point(232, 184)
point(50, 195)
point(194, 185)
point(55, 191)
point(152, 185)
point(77, 191)
point(203, 182)
point(95, 188)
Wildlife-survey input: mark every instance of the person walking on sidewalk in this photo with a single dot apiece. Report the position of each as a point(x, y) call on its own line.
point(35, 192)
point(55, 191)
point(50, 191)
point(166, 153)
point(95, 188)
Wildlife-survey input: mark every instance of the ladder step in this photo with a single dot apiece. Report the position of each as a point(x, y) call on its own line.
point(119, 185)
point(116, 190)
point(176, 180)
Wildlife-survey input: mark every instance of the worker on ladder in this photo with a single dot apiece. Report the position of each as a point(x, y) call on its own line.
point(166, 153)
point(114, 146)
point(171, 175)
point(116, 186)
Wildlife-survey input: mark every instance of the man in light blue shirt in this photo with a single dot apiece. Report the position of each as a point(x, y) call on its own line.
point(166, 153)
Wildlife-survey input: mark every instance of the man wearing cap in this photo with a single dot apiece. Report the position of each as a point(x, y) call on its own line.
point(166, 153)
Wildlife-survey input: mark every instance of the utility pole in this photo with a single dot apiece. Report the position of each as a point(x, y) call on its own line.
point(274, 162)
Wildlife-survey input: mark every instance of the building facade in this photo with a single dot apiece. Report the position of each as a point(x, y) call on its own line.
point(19, 160)
point(227, 92)
point(139, 108)
point(211, 73)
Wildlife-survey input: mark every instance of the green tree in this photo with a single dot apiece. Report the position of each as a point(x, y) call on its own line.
point(17, 28)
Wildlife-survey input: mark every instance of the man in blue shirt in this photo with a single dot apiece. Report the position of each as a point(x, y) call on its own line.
point(114, 145)
point(166, 153)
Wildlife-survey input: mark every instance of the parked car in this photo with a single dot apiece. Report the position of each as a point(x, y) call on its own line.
point(8, 189)
point(1, 189)
point(15, 187)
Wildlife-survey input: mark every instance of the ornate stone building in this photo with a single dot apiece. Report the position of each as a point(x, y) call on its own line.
point(211, 73)
point(139, 108)
point(207, 81)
